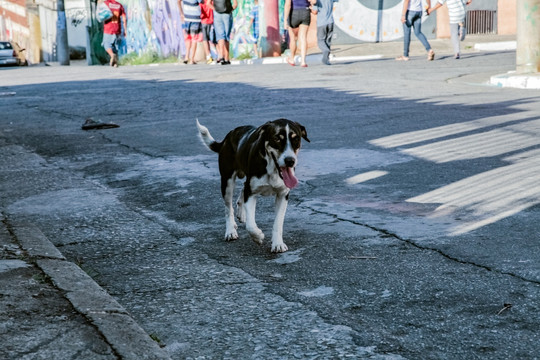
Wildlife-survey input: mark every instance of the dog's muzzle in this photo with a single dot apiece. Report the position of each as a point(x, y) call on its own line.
point(286, 173)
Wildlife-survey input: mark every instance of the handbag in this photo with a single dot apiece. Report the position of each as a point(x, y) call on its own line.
point(103, 13)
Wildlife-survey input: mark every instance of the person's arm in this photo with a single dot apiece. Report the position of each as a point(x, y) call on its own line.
point(286, 11)
point(313, 6)
point(181, 11)
point(430, 10)
point(404, 12)
point(234, 4)
point(124, 21)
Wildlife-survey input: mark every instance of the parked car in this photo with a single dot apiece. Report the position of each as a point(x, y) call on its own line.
point(11, 54)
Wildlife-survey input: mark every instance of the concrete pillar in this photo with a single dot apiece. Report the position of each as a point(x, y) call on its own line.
point(62, 47)
point(528, 36)
point(270, 37)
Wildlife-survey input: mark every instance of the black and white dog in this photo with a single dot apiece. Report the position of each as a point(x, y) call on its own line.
point(266, 156)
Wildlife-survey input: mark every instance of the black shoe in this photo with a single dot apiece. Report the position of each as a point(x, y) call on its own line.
point(225, 62)
point(219, 61)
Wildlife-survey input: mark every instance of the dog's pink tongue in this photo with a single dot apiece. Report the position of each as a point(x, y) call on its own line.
point(288, 177)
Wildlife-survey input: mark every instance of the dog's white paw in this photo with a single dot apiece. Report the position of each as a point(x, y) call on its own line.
point(231, 234)
point(257, 235)
point(279, 247)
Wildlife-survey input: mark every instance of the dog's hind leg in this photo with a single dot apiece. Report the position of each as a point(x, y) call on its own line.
point(227, 189)
point(240, 212)
point(278, 245)
point(252, 228)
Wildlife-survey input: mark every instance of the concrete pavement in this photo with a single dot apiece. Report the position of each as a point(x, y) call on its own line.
point(54, 305)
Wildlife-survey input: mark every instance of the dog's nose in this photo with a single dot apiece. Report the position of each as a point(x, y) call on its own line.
point(289, 161)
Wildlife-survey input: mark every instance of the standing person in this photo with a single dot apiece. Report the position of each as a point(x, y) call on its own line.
point(297, 20)
point(325, 27)
point(113, 31)
point(457, 14)
point(208, 33)
point(254, 25)
point(190, 12)
point(412, 17)
point(223, 22)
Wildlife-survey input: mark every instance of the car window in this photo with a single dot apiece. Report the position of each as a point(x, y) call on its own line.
point(4, 46)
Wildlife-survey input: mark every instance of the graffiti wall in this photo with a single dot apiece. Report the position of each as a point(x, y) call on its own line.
point(155, 25)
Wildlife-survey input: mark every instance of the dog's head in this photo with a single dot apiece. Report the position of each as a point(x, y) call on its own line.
point(282, 140)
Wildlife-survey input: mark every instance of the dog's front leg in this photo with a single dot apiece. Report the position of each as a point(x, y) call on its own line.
point(252, 228)
point(278, 245)
point(230, 224)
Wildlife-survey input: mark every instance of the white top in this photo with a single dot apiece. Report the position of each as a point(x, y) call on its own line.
point(456, 10)
point(415, 5)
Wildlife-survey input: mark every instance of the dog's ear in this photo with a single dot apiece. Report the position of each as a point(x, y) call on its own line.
point(303, 132)
point(262, 137)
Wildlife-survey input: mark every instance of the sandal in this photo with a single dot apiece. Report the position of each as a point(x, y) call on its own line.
point(431, 55)
point(402, 58)
point(304, 65)
point(290, 63)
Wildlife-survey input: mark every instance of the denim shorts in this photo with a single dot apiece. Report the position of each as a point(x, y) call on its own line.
point(111, 41)
point(223, 26)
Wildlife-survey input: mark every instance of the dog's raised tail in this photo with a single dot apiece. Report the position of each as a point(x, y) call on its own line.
point(207, 139)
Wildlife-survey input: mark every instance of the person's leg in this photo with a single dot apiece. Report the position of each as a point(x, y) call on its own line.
point(226, 55)
point(188, 48)
point(329, 35)
point(302, 37)
point(292, 44)
point(219, 30)
point(108, 44)
point(454, 37)
point(417, 24)
point(407, 35)
point(206, 41)
point(228, 27)
point(322, 43)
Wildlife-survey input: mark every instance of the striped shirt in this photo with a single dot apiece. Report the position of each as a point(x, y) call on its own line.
point(456, 10)
point(192, 10)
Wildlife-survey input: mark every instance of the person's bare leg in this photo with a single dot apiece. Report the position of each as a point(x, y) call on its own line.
point(221, 48)
point(188, 48)
point(226, 50)
point(292, 44)
point(302, 37)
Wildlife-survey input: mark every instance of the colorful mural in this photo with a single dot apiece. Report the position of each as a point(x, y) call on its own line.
point(376, 23)
point(155, 25)
point(242, 34)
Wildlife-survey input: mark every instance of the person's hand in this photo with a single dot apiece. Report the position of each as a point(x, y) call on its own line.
point(403, 20)
point(429, 11)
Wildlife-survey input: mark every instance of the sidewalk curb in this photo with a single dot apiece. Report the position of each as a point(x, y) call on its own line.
point(513, 79)
point(124, 335)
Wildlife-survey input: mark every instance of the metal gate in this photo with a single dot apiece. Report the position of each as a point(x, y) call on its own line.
point(482, 22)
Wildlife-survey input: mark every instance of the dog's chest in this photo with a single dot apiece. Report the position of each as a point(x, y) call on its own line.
point(269, 184)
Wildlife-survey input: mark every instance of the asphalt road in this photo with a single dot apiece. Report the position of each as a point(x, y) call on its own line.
point(413, 233)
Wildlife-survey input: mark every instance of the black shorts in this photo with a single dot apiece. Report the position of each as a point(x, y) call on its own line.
point(208, 33)
point(299, 17)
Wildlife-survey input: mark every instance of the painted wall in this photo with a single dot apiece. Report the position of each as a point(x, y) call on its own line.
point(506, 17)
point(14, 22)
